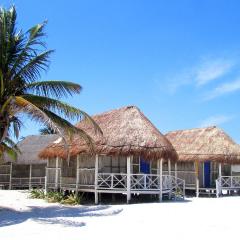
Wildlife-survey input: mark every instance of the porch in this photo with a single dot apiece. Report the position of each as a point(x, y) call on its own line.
point(228, 183)
point(22, 176)
point(114, 174)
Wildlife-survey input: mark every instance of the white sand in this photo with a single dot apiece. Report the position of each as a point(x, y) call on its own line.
point(203, 218)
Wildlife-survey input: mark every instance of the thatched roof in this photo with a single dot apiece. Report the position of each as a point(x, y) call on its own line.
point(30, 148)
point(202, 144)
point(126, 131)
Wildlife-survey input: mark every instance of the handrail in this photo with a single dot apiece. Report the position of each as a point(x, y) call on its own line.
point(142, 182)
point(227, 183)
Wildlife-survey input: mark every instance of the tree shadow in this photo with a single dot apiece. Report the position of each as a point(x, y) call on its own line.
point(55, 214)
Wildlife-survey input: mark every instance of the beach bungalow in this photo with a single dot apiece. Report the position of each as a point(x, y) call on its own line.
point(206, 159)
point(128, 158)
point(28, 171)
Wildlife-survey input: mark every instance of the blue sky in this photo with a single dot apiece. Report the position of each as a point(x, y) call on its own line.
point(178, 61)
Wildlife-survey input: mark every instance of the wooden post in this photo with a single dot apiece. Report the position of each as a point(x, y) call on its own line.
point(169, 173)
point(175, 168)
point(46, 176)
point(10, 176)
point(160, 179)
point(219, 170)
point(128, 179)
point(30, 176)
point(96, 179)
point(197, 178)
point(77, 174)
point(56, 173)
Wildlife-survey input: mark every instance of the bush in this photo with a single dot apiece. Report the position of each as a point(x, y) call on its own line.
point(53, 197)
point(37, 193)
point(71, 199)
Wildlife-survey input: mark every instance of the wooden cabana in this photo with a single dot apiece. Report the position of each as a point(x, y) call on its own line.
point(206, 156)
point(28, 171)
point(128, 158)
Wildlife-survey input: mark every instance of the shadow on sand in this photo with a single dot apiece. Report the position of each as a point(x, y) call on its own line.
point(55, 215)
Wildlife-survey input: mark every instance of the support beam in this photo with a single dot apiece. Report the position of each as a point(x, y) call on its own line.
point(10, 176)
point(175, 170)
point(219, 170)
point(169, 173)
point(56, 173)
point(197, 178)
point(160, 179)
point(128, 179)
point(46, 176)
point(96, 179)
point(77, 173)
point(30, 176)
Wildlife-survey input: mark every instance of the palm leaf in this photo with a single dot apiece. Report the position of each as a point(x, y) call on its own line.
point(61, 108)
point(56, 89)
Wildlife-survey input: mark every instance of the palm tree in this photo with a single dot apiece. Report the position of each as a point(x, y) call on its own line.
point(46, 131)
point(23, 57)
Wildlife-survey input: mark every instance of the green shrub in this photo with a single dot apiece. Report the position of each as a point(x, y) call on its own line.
point(37, 193)
point(53, 197)
point(71, 199)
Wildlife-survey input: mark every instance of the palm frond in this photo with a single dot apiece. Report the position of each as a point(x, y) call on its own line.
point(70, 130)
point(9, 151)
point(46, 131)
point(56, 89)
point(32, 70)
point(28, 46)
point(61, 108)
point(35, 113)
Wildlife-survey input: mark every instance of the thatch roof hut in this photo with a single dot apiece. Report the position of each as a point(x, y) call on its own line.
point(201, 144)
point(126, 131)
point(30, 147)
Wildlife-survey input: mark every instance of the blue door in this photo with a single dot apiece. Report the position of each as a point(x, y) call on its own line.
point(144, 166)
point(207, 174)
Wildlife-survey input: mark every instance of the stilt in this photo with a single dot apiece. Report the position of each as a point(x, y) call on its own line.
point(160, 179)
point(77, 174)
point(10, 176)
point(96, 179)
point(220, 181)
point(219, 170)
point(46, 176)
point(128, 179)
point(30, 176)
point(175, 169)
point(56, 173)
point(197, 179)
point(169, 173)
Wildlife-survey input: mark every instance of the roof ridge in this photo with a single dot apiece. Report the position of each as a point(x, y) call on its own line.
point(193, 129)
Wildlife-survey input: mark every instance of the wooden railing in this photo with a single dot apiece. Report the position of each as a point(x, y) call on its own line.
point(141, 182)
point(227, 183)
point(112, 181)
point(25, 182)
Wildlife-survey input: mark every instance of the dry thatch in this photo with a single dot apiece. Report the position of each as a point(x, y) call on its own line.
point(30, 148)
point(203, 144)
point(126, 131)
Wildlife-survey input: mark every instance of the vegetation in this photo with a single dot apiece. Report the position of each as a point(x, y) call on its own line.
point(23, 58)
point(72, 199)
point(37, 193)
point(52, 197)
point(46, 131)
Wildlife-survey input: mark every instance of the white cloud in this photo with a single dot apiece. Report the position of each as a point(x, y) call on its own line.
point(215, 120)
point(201, 74)
point(223, 89)
point(211, 70)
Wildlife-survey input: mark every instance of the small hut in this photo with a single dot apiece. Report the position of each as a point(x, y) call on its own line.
point(128, 158)
point(205, 159)
point(28, 171)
